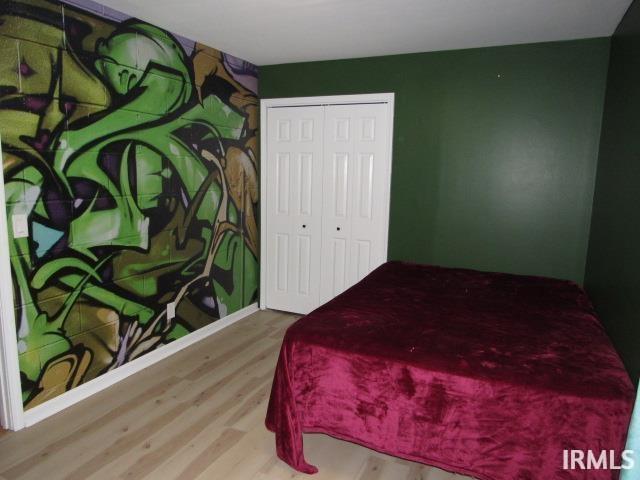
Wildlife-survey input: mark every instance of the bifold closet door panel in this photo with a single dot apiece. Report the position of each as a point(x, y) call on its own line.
point(355, 187)
point(370, 183)
point(336, 201)
point(294, 207)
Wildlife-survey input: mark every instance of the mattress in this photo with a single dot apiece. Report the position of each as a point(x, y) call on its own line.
point(492, 375)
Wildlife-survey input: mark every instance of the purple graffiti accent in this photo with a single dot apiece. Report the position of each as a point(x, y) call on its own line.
point(122, 351)
point(59, 213)
point(82, 189)
point(115, 15)
point(25, 70)
point(188, 45)
point(244, 72)
point(70, 107)
point(59, 208)
point(110, 163)
point(104, 203)
point(98, 9)
point(118, 16)
point(52, 196)
point(88, 5)
point(40, 143)
point(36, 103)
point(73, 30)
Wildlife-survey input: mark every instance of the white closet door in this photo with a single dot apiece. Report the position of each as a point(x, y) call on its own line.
point(336, 201)
point(355, 188)
point(294, 207)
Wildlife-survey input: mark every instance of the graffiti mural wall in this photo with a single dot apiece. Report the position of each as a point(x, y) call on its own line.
point(132, 153)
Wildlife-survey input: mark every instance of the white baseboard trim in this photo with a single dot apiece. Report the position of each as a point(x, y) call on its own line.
point(55, 405)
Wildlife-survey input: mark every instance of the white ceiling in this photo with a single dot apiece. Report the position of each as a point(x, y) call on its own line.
point(282, 31)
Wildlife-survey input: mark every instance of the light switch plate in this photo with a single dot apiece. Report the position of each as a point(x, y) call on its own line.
point(20, 224)
point(171, 310)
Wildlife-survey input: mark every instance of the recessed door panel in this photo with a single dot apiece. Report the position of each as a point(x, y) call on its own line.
point(340, 183)
point(282, 182)
point(364, 184)
point(306, 130)
point(284, 130)
point(305, 183)
point(282, 262)
point(339, 279)
point(341, 128)
point(368, 129)
point(362, 257)
point(304, 262)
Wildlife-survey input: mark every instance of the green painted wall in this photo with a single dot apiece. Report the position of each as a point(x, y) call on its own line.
point(495, 149)
point(613, 267)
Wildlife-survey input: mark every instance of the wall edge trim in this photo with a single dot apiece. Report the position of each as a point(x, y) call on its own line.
point(85, 390)
point(11, 409)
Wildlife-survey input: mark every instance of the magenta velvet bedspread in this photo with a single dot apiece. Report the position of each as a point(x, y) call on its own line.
point(486, 374)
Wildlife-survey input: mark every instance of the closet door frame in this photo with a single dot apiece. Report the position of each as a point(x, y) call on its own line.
point(265, 105)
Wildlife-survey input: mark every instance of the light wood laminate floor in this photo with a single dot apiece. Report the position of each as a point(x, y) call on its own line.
point(199, 414)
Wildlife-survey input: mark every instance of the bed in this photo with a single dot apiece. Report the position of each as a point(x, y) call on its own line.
point(485, 374)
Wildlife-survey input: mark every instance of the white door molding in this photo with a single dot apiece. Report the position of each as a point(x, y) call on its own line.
point(265, 105)
point(11, 409)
